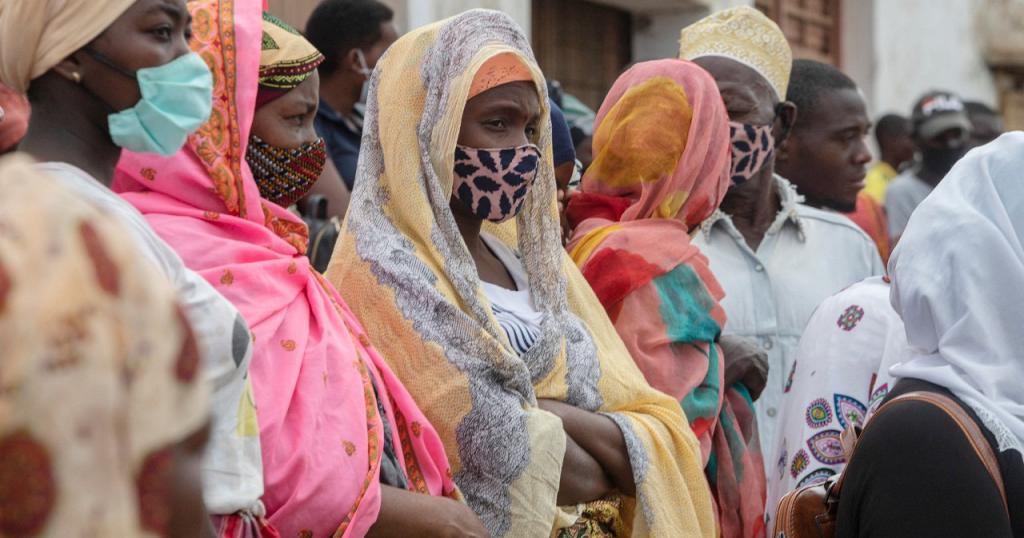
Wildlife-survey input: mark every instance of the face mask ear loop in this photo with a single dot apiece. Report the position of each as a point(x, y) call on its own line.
point(105, 60)
point(364, 68)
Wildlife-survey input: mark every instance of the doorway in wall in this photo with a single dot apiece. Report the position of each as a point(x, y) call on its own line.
point(583, 45)
point(812, 26)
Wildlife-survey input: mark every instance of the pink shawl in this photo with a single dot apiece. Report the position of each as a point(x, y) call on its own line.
point(312, 364)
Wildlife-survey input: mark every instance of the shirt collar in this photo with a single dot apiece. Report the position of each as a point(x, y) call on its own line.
point(789, 201)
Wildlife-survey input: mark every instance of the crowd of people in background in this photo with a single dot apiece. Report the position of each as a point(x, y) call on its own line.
point(264, 282)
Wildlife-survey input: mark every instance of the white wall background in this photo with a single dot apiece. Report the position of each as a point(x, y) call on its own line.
point(656, 33)
point(896, 50)
point(420, 12)
point(921, 45)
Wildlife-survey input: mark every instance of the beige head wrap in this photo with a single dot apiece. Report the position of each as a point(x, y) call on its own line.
point(36, 35)
point(743, 34)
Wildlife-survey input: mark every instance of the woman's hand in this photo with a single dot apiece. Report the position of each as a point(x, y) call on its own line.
point(563, 203)
point(583, 479)
point(599, 437)
point(404, 513)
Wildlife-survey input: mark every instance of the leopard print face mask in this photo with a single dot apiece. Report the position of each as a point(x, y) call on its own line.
point(752, 146)
point(493, 183)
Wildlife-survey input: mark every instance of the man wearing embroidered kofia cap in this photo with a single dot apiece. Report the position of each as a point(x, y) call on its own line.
point(776, 257)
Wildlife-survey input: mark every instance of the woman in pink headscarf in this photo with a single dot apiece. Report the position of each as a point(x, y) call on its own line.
point(661, 163)
point(346, 451)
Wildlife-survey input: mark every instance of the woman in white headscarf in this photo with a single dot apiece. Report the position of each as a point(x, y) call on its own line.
point(958, 284)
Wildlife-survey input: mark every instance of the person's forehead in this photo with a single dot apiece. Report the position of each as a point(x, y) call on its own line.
point(145, 10)
point(840, 108)
point(733, 76)
point(297, 100)
point(388, 32)
point(309, 89)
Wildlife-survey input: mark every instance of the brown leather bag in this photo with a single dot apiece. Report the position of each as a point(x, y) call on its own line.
point(810, 512)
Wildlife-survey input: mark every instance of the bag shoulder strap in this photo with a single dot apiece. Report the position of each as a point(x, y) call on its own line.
point(970, 429)
point(315, 248)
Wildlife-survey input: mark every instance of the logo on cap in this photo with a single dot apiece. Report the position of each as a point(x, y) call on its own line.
point(941, 103)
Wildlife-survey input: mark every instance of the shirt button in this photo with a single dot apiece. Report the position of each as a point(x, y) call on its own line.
point(772, 412)
point(768, 343)
point(759, 268)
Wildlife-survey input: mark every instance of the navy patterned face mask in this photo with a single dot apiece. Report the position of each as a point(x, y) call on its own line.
point(493, 183)
point(752, 146)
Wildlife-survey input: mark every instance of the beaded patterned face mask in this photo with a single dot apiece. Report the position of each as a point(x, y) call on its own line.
point(285, 175)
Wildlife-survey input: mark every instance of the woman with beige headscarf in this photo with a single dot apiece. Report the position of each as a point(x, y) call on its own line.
point(103, 75)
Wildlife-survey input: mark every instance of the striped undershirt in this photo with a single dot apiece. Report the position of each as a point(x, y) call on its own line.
point(513, 309)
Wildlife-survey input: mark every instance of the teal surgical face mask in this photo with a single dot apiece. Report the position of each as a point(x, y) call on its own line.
point(176, 100)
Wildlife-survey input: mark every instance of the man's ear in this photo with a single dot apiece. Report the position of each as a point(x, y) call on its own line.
point(350, 62)
point(785, 119)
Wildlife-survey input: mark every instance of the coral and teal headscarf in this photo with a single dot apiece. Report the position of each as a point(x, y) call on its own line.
point(661, 157)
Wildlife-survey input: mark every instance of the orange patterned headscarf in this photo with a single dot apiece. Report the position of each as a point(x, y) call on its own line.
point(500, 69)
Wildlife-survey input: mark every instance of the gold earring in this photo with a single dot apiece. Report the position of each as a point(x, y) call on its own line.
point(77, 77)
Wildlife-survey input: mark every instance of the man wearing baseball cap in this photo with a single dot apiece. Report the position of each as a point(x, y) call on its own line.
point(942, 134)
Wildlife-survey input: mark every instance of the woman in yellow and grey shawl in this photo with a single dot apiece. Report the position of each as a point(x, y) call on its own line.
point(503, 409)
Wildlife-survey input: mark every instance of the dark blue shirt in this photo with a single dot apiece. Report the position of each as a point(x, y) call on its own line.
point(342, 135)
